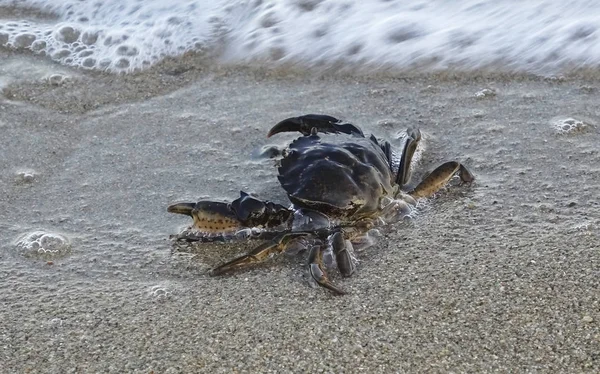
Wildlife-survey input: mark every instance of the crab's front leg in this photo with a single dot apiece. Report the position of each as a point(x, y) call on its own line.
point(212, 220)
point(342, 249)
point(317, 272)
point(259, 254)
point(413, 137)
point(217, 220)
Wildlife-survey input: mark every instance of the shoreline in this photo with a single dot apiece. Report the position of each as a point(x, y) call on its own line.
point(76, 90)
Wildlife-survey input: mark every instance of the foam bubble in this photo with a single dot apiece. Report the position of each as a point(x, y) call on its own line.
point(485, 93)
point(25, 176)
point(43, 244)
point(57, 79)
point(23, 40)
point(160, 292)
point(67, 34)
point(569, 125)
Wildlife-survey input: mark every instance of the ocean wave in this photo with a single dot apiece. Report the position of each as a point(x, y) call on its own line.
point(130, 35)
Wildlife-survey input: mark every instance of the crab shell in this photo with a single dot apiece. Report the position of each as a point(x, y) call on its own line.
point(348, 179)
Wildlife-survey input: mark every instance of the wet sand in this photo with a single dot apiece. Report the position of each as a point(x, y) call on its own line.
point(502, 275)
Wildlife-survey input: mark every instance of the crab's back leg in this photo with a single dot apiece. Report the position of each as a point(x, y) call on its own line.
point(317, 270)
point(258, 254)
point(413, 136)
point(439, 177)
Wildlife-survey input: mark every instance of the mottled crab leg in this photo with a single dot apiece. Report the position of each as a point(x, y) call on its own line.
point(317, 270)
point(413, 136)
point(439, 177)
point(323, 123)
point(258, 254)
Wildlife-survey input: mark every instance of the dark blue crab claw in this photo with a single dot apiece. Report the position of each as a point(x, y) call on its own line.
point(254, 212)
point(322, 123)
point(246, 207)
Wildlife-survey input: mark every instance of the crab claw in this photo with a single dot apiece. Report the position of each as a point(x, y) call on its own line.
point(322, 123)
point(209, 216)
point(214, 217)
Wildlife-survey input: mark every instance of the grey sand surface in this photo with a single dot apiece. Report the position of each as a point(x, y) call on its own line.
point(502, 275)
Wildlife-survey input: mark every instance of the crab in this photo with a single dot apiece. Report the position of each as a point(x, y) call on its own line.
point(339, 191)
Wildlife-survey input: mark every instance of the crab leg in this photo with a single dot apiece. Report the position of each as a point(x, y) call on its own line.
point(317, 270)
point(439, 177)
point(258, 254)
point(413, 136)
point(342, 254)
point(322, 123)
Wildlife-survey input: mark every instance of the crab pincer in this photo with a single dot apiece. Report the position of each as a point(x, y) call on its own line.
point(322, 123)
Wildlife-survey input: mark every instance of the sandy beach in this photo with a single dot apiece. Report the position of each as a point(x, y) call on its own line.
point(499, 276)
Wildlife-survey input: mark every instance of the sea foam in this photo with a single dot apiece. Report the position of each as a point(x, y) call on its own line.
point(125, 35)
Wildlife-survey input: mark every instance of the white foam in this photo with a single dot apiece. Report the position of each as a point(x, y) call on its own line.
point(43, 244)
point(111, 35)
point(123, 35)
point(569, 125)
point(160, 292)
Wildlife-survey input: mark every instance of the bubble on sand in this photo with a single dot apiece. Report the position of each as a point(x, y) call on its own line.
point(38, 45)
point(25, 176)
point(57, 79)
point(569, 125)
point(63, 53)
point(85, 52)
point(43, 244)
point(23, 40)
point(160, 292)
point(89, 63)
point(67, 34)
point(122, 63)
point(485, 93)
point(89, 37)
point(478, 113)
point(125, 50)
point(585, 89)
